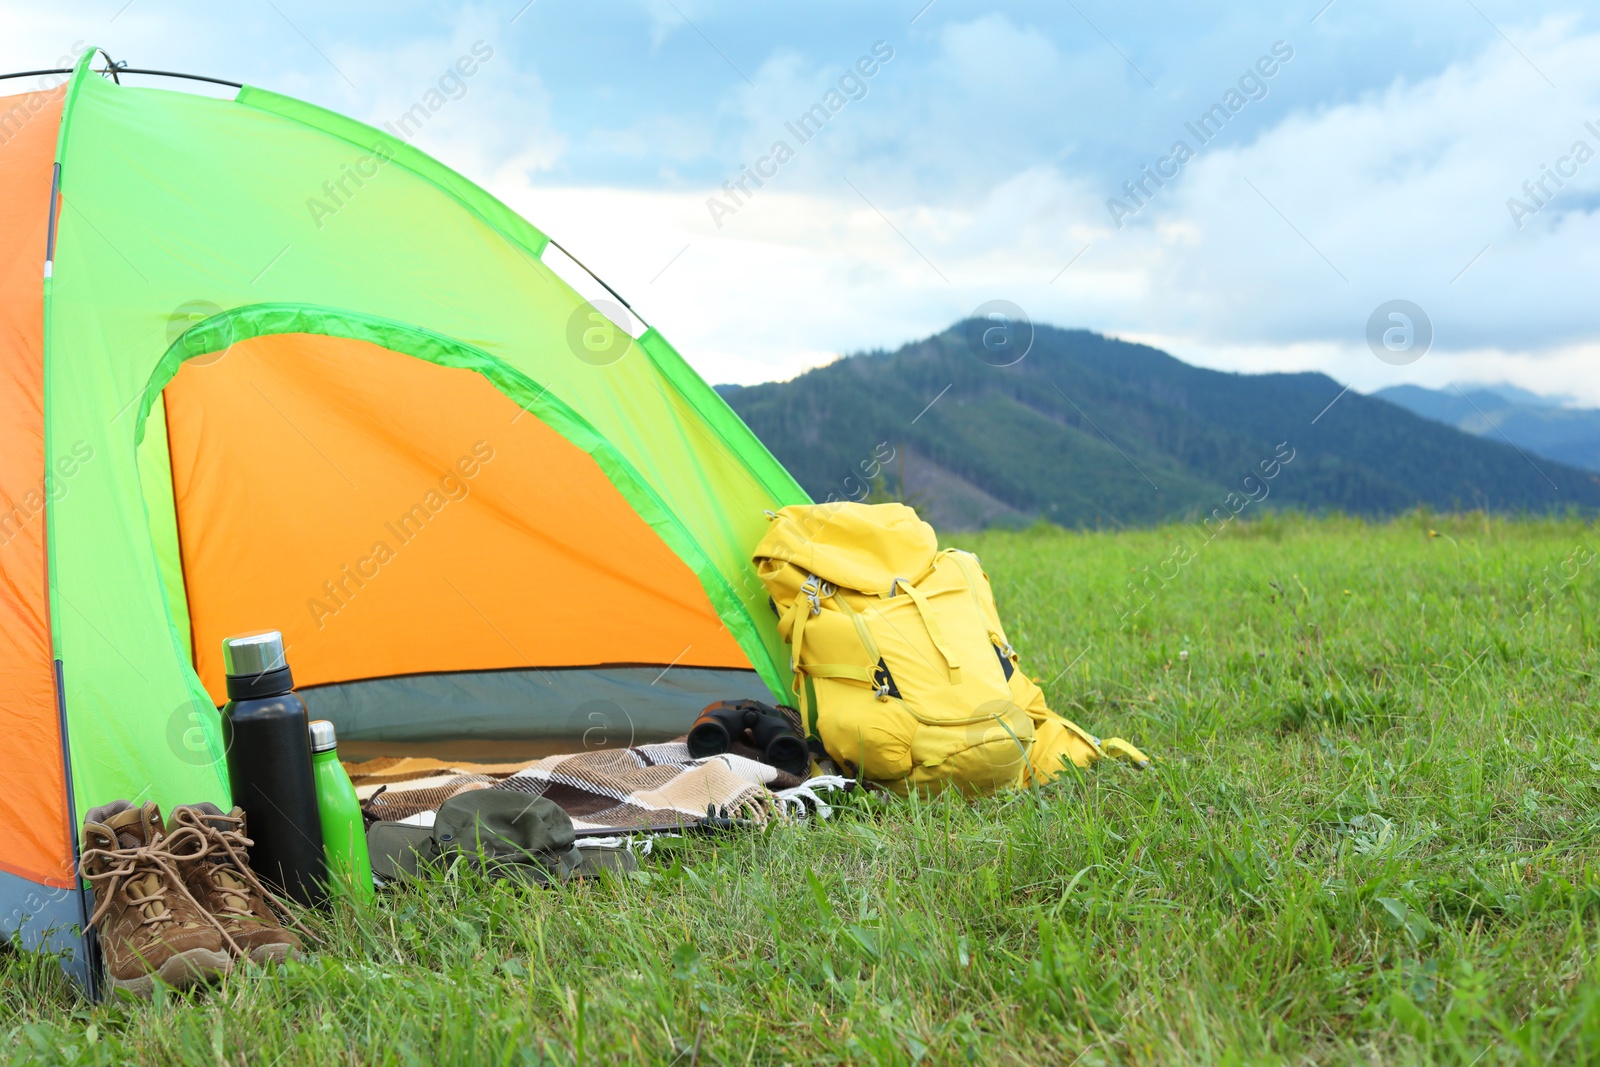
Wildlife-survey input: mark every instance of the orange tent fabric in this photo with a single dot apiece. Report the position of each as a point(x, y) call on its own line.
point(35, 833)
point(299, 455)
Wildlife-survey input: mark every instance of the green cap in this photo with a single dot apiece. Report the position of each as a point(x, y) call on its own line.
point(398, 850)
point(510, 834)
point(502, 823)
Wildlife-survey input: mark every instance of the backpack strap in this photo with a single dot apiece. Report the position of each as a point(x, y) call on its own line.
point(935, 633)
point(814, 591)
point(1116, 746)
point(965, 561)
point(795, 622)
point(877, 672)
point(1002, 648)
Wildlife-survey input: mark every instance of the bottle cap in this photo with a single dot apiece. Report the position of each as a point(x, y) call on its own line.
point(322, 736)
point(253, 654)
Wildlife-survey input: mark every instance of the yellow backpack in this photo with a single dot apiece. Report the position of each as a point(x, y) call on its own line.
point(916, 685)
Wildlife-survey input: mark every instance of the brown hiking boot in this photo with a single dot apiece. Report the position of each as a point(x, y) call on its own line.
point(150, 925)
point(215, 861)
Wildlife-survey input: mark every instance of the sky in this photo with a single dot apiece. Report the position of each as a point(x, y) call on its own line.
point(1354, 154)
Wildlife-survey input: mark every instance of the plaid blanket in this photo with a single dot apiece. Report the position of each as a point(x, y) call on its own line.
point(650, 788)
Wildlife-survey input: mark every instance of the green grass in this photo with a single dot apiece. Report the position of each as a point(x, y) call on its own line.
point(1369, 837)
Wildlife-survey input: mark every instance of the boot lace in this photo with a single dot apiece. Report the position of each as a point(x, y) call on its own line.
point(138, 867)
point(227, 848)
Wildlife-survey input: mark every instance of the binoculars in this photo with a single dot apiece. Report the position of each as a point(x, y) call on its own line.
point(725, 722)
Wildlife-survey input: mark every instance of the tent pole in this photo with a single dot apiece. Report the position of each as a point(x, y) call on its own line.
point(127, 70)
point(601, 280)
point(89, 944)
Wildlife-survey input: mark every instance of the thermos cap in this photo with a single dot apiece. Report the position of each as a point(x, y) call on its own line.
point(253, 654)
point(322, 736)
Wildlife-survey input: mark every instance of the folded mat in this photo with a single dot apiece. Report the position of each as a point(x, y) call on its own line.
point(647, 788)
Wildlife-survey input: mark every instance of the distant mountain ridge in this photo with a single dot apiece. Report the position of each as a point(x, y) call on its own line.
point(1535, 424)
point(1088, 431)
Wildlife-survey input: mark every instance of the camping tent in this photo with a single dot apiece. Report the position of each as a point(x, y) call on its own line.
point(268, 367)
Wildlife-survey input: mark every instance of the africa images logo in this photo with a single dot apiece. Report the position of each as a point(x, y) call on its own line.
point(1399, 332)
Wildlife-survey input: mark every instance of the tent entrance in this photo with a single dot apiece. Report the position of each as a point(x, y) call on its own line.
point(444, 565)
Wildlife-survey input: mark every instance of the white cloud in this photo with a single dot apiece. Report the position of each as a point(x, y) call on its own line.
point(491, 125)
point(1397, 192)
point(664, 21)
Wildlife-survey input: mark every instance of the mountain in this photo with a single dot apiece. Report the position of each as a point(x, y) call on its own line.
point(1088, 431)
point(1537, 425)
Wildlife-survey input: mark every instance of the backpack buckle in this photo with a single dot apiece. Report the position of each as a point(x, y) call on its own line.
point(883, 686)
point(816, 591)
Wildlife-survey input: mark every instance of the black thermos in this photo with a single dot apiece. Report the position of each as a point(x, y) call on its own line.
point(265, 729)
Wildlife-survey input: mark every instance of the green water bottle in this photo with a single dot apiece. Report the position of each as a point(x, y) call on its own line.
point(344, 832)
